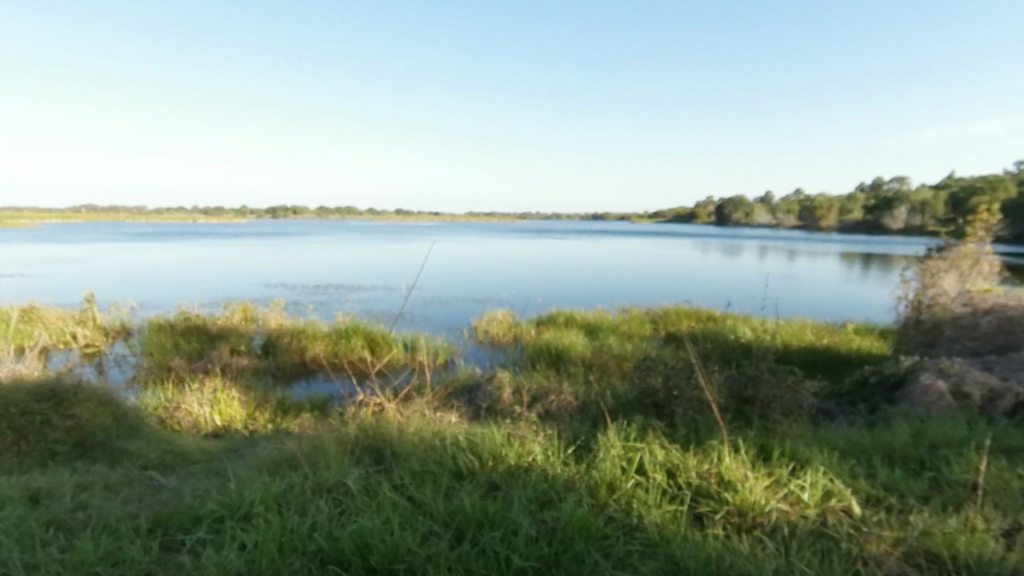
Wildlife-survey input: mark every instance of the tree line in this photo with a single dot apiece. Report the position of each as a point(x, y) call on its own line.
point(951, 206)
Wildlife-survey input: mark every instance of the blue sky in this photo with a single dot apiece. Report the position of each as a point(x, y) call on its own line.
point(570, 106)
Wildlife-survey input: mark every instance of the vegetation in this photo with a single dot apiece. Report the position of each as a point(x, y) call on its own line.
point(15, 216)
point(893, 206)
point(592, 447)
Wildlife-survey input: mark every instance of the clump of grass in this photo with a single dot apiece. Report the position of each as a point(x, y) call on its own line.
point(190, 342)
point(86, 330)
point(503, 395)
point(214, 406)
point(669, 389)
point(827, 351)
point(313, 347)
point(633, 361)
point(244, 340)
point(497, 327)
point(31, 334)
point(725, 490)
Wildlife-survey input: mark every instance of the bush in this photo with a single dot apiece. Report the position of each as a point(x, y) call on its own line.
point(953, 306)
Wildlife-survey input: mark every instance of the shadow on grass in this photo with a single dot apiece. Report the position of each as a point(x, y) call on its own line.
point(56, 422)
point(421, 492)
point(820, 359)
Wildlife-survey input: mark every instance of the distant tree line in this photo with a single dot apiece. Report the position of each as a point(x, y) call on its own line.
point(950, 206)
point(955, 204)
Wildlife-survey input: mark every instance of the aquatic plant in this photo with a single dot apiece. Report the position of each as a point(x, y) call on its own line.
point(87, 329)
point(243, 339)
point(215, 406)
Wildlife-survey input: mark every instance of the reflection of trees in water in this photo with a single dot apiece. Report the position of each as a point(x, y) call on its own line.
point(864, 263)
point(764, 250)
point(719, 248)
point(874, 263)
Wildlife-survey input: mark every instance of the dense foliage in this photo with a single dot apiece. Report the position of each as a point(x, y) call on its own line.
point(993, 203)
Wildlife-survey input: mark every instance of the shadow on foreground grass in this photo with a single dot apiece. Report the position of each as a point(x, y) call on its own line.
point(91, 483)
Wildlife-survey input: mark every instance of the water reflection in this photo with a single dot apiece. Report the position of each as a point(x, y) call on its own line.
point(878, 264)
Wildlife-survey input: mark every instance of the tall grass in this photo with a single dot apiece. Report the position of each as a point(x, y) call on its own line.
point(422, 491)
point(86, 329)
point(30, 335)
point(592, 449)
point(243, 339)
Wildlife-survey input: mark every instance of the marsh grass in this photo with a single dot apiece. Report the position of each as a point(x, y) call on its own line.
point(87, 329)
point(827, 351)
point(591, 450)
point(635, 363)
point(243, 340)
point(31, 335)
point(215, 406)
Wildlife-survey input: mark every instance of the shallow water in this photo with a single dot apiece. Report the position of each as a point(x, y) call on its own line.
point(363, 268)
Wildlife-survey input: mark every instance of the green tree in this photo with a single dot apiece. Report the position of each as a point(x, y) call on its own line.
point(851, 207)
point(976, 205)
point(734, 210)
point(704, 211)
point(787, 209)
point(819, 212)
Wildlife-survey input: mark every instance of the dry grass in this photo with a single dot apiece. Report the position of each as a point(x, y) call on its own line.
point(954, 305)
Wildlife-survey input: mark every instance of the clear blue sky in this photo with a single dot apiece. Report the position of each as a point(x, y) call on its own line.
point(547, 105)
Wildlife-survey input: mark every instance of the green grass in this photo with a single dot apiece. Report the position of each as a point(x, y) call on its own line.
point(829, 351)
point(216, 406)
point(46, 327)
point(590, 451)
point(263, 342)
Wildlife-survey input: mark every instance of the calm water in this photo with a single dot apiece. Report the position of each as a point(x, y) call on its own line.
point(365, 268)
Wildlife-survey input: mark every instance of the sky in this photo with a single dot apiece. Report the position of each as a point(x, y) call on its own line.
point(566, 105)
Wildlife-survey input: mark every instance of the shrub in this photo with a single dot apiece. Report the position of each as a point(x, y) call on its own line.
point(953, 306)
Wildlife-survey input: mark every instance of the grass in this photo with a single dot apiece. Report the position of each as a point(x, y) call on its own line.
point(215, 406)
point(30, 336)
point(243, 339)
point(28, 217)
point(85, 329)
point(635, 360)
point(589, 450)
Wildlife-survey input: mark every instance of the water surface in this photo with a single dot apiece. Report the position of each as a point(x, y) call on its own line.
point(364, 268)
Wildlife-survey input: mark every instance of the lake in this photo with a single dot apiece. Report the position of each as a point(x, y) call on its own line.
point(366, 268)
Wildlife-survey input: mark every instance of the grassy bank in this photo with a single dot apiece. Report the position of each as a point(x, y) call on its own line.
point(591, 447)
point(30, 217)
